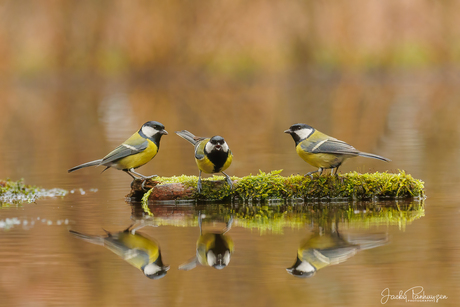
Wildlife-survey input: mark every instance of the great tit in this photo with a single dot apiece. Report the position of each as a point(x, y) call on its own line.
point(139, 251)
point(136, 151)
point(212, 249)
point(328, 248)
point(212, 155)
point(323, 151)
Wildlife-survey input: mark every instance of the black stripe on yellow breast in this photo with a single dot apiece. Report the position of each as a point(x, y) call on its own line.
point(218, 158)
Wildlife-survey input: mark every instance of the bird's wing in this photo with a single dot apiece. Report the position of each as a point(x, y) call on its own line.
point(336, 255)
point(134, 256)
point(124, 150)
point(331, 146)
point(199, 148)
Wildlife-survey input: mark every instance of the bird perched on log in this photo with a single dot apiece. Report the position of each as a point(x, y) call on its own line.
point(136, 151)
point(323, 151)
point(212, 155)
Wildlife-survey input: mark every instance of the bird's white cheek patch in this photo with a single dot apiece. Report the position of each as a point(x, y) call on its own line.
point(227, 258)
point(304, 133)
point(211, 258)
point(225, 147)
point(149, 131)
point(209, 147)
point(306, 267)
point(151, 269)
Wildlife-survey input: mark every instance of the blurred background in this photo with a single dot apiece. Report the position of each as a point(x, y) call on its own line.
point(79, 77)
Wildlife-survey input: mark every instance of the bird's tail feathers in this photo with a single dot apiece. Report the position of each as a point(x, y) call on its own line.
point(92, 239)
point(368, 241)
point(369, 155)
point(92, 163)
point(186, 135)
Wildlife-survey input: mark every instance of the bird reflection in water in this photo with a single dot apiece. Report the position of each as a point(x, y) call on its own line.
point(136, 249)
point(212, 249)
point(326, 246)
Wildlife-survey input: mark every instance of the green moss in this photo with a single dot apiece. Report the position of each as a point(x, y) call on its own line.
point(269, 186)
point(16, 192)
point(275, 218)
point(145, 202)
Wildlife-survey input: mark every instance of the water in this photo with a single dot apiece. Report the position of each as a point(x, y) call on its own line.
point(48, 128)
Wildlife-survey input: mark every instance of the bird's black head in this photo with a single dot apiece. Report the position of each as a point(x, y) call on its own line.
point(216, 143)
point(300, 132)
point(218, 260)
point(153, 130)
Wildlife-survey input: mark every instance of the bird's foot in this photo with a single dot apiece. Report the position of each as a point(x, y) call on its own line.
point(229, 180)
point(320, 171)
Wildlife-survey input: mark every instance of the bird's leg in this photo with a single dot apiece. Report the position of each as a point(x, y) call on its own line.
point(320, 170)
point(198, 185)
point(142, 225)
point(229, 181)
point(342, 179)
point(229, 225)
point(127, 172)
point(200, 221)
point(336, 170)
point(140, 175)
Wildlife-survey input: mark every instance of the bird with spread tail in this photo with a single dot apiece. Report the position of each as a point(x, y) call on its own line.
point(212, 155)
point(212, 249)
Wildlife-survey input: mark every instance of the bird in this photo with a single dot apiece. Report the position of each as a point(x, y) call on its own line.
point(212, 249)
point(328, 247)
point(323, 151)
point(136, 151)
point(136, 249)
point(212, 155)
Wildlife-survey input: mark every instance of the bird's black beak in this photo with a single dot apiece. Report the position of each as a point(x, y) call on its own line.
point(218, 147)
point(287, 131)
point(164, 132)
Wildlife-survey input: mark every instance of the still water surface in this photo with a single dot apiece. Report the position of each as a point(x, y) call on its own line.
point(394, 245)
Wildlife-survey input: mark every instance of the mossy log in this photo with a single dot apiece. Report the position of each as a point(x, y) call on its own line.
point(268, 186)
point(276, 216)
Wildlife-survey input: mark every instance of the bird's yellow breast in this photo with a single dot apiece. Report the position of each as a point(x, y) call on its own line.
point(137, 241)
point(318, 160)
point(139, 159)
point(207, 166)
point(207, 241)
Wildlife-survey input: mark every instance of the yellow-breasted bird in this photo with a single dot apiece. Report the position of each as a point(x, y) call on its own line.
point(329, 248)
point(212, 249)
point(323, 151)
point(136, 151)
point(136, 249)
point(212, 155)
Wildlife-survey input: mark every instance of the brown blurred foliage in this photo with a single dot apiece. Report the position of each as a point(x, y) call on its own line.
point(228, 37)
